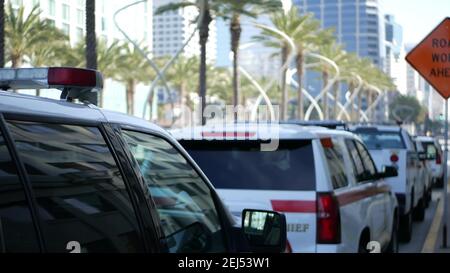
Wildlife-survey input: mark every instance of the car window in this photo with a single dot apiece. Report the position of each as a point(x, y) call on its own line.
point(335, 160)
point(430, 149)
point(241, 164)
point(184, 202)
point(81, 195)
point(358, 165)
point(369, 165)
point(378, 140)
point(17, 233)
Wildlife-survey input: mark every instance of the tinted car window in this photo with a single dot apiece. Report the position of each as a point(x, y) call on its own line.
point(17, 233)
point(369, 166)
point(378, 140)
point(358, 165)
point(184, 202)
point(242, 165)
point(80, 192)
point(335, 160)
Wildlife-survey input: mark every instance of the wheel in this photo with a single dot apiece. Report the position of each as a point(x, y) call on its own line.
point(363, 242)
point(393, 245)
point(406, 222)
point(419, 212)
point(440, 183)
point(427, 198)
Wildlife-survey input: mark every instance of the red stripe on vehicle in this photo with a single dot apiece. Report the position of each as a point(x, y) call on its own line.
point(356, 195)
point(228, 134)
point(294, 206)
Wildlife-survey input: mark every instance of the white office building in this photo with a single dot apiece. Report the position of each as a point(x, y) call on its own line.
point(69, 16)
point(171, 30)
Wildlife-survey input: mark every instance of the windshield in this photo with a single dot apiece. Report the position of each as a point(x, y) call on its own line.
point(241, 164)
point(379, 140)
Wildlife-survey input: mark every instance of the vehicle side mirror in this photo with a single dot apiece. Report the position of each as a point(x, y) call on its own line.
point(423, 156)
point(265, 231)
point(388, 172)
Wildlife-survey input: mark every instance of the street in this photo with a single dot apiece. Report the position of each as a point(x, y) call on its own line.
point(422, 229)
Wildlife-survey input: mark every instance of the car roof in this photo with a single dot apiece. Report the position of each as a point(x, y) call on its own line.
point(385, 128)
point(28, 105)
point(256, 131)
point(425, 139)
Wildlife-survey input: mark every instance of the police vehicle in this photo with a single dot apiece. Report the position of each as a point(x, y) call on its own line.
point(76, 178)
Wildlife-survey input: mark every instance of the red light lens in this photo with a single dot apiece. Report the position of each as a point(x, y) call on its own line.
point(328, 219)
point(394, 158)
point(438, 159)
point(72, 77)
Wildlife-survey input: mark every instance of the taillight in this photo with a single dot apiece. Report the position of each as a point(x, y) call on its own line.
point(394, 158)
point(328, 219)
point(438, 159)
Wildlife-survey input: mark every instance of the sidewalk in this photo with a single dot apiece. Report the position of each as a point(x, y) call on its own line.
point(439, 241)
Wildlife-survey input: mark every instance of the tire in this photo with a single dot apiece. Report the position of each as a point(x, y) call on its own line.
point(362, 248)
point(394, 243)
point(406, 223)
point(440, 183)
point(419, 212)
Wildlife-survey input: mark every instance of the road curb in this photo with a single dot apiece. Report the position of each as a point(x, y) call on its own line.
point(433, 234)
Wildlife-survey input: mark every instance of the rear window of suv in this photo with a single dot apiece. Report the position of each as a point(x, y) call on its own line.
point(378, 140)
point(242, 165)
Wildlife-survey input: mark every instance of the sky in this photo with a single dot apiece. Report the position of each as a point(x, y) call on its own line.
point(417, 17)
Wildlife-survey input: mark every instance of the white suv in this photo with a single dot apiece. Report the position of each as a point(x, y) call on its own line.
point(325, 181)
point(393, 145)
point(434, 158)
point(76, 178)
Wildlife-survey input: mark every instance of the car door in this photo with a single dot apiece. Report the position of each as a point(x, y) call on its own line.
point(187, 212)
point(381, 196)
point(372, 204)
point(81, 197)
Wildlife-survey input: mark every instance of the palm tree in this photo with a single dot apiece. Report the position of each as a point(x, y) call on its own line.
point(335, 53)
point(2, 33)
point(180, 77)
point(49, 55)
point(26, 33)
point(133, 69)
point(233, 10)
point(91, 45)
point(208, 7)
point(350, 68)
point(108, 60)
point(304, 30)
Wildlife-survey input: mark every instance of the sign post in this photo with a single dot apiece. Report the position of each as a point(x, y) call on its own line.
point(431, 59)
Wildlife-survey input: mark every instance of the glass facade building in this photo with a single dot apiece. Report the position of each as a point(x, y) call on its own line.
point(358, 24)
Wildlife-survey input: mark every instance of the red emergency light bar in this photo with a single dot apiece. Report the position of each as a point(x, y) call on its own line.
point(72, 81)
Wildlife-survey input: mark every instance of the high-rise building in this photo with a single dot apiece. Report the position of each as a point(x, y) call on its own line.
point(69, 16)
point(395, 64)
point(358, 24)
point(172, 29)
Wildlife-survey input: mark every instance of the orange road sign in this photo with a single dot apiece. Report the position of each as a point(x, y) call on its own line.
point(431, 58)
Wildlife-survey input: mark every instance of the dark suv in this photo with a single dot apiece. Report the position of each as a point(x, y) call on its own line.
point(75, 178)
